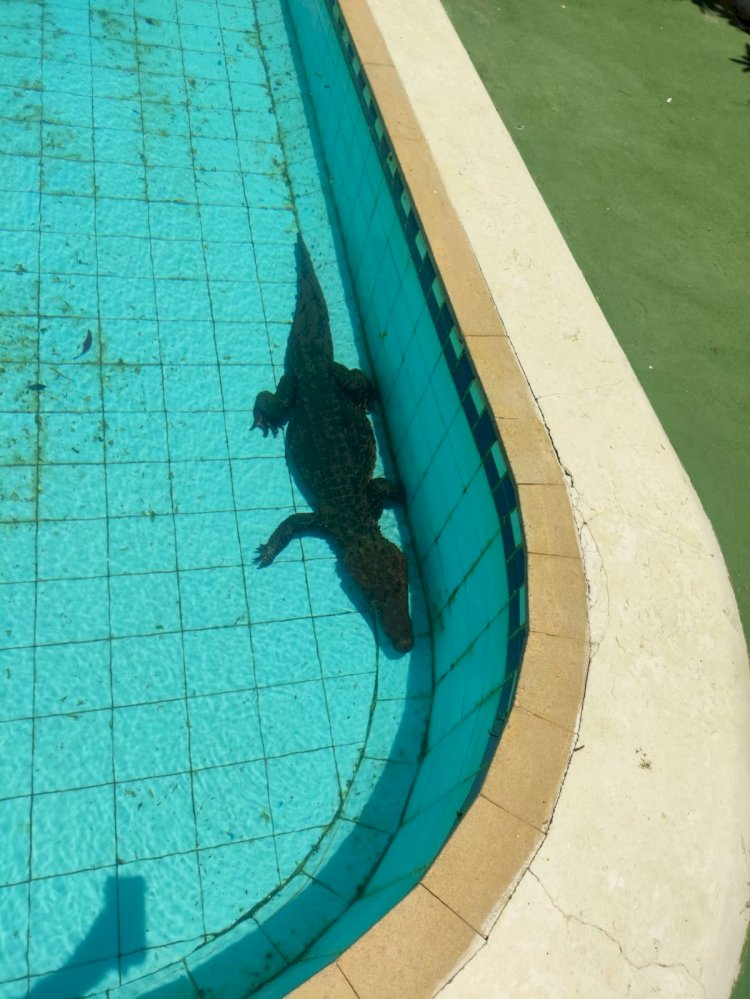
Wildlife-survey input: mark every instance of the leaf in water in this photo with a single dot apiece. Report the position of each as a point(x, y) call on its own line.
point(86, 345)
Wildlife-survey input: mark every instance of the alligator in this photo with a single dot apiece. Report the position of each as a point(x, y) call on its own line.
point(330, 445)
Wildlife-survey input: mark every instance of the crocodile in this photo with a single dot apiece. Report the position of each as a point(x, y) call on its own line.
point(330, 445)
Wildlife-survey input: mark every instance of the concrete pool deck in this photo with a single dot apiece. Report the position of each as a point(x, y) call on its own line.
point(640, 884)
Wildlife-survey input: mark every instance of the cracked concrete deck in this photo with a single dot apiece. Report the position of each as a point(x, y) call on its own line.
point(641, 885)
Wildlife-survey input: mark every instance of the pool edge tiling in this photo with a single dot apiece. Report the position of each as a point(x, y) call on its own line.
point(640, 884)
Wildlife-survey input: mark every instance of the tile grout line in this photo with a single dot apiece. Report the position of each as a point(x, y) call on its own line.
point(36, 521)
point(170, 478)
point(103, 431)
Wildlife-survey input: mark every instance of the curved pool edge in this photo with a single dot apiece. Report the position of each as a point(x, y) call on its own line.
point(641, 880)
point(448, 915)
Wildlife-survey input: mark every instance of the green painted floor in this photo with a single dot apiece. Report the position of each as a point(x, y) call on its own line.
point(634, 120)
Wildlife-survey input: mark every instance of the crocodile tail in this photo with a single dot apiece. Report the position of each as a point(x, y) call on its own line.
point(304, 263)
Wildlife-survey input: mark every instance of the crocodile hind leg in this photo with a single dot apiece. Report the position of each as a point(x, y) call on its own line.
point(382, 493)
point(355, 383)
point(297, 523)
point(271, 409)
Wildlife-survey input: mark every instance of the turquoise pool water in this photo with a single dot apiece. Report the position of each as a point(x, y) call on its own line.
point(182, 736)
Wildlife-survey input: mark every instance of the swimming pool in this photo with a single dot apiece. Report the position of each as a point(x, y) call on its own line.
point(198, 748)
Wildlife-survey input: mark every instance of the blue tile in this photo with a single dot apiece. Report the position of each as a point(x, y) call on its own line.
point(298, 913)
point(72, 677)
point(61, 295)
point(236, 878)
point(178, 346)
point(164, 967)
point(73, 750)
point(173, 258)
point(66, 213)
point(348, 760)
point(350, 701)
point(69, 76)
point(171, 898)
point(224, 728)
point(417, 842)
point(240, 384)
point(141, 489)
point(18, 436)
point(197, 435)
point(141, 544)
point(73, 831)
point(69, 438)
point(16, 683)
point(59, 616)
point(151, 740)
point(294, 718)
point(202, 486)
point(65, 252)
point(347, 857)
point(213, 598)
point(285, 652)
point(397, 729)
point(14, 902)
point(155, 817)
point(20, 212)
point(379, 793)
point(144, 604)
point(279, 592)
point(174, 221)
point(237, 301)
point(84, 980)
point(157, 117)
point(293, 848)
point(229, 969)
point(122, 217)
point(63, 393)
point(18, 548)
point(328, 593)
point(57, 930)
point(15, 757)
point(170, 183)
point(19, 250)
point(123, 254)
point(207, 539)
point(147, 668)
point(72, 548)
point(129, 341)
point(127, 298)
point(14, 857)
point(231, 804)
point(179, 299)
point(399, 678)
point(163, 150)
point(300, 786)
point(345, 644)
point(220, 187)
point(218, 660)
point(67, 177)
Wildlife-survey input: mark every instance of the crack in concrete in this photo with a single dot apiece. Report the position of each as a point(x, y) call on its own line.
point(569, 917)
point(589, 390)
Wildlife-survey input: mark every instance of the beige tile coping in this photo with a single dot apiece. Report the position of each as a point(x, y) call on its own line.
point(420, 943)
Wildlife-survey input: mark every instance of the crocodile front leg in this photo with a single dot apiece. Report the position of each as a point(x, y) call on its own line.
point(355, 383)
point(382, 493)
point(271, 409)
point(297, 523)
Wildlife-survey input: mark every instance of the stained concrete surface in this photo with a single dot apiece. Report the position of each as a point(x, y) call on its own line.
point(634, 121)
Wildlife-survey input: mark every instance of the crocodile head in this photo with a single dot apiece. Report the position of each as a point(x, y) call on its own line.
point(380, 570)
